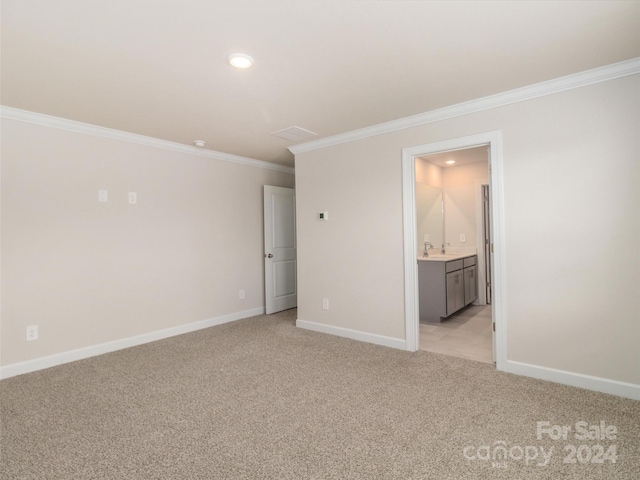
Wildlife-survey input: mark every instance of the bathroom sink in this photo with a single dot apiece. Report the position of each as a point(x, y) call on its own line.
point(446, 256)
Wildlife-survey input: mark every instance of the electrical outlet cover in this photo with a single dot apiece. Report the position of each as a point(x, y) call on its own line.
point(32, 333)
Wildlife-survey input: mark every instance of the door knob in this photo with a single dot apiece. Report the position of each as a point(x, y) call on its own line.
point(269, 256)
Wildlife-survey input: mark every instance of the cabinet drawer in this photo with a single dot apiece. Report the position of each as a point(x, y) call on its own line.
point(468, 262)
point(453, 266)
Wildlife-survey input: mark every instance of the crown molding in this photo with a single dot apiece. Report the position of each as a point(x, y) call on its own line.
point(577, 80)
point(88, 129)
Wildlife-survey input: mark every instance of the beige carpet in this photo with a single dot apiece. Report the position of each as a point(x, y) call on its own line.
point(260, 399)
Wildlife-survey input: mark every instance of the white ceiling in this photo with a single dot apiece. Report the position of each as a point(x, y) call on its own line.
point(158, 67)
point(461, 157)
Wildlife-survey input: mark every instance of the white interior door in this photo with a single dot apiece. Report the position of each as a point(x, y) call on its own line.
point(280, 249)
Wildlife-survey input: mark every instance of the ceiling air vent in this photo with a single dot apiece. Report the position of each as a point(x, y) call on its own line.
point(294, 133)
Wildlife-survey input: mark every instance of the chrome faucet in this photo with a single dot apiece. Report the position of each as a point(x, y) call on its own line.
point(427, 246)
point(442, 250)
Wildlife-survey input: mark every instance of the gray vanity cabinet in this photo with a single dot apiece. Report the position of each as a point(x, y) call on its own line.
point(446, 286)
point(470, 272)
point(455, 288)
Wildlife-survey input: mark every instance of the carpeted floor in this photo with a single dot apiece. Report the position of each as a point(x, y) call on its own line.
point(261, 399)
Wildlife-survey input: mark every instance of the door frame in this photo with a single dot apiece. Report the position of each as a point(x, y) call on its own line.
point(482, 257)
point(412, 317)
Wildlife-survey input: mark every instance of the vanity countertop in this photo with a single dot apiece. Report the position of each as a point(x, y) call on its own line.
point(446, 257)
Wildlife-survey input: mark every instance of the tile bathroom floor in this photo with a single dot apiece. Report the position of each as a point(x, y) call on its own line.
point(467, 334)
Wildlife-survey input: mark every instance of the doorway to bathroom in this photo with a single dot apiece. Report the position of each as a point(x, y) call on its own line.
point(471, 224)
point(452, 221)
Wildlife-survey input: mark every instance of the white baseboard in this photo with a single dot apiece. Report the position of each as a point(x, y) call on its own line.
point(598, 384)
point(399, 343)
point(604, 385)
point(86, 352)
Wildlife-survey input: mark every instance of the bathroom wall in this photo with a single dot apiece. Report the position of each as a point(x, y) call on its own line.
point(428, 173)
point(461, 188)
point(429, 222)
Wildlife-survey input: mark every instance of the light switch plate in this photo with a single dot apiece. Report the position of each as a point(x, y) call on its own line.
point(133, 198)
point(463, 238)
point(103, 195)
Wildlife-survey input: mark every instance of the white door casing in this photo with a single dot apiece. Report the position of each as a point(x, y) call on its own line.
point(412, 324)
point(280, 267)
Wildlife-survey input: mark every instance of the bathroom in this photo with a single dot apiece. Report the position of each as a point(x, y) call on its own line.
point(453, 222)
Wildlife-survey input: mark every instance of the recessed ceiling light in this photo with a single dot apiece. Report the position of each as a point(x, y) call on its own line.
point(199, 143)
point(450, 162)
point(240, 60)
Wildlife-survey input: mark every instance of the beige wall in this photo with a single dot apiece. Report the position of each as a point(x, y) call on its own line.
point(461, 189)
point(429, 221)
point(571, 202)
point(351, 259)
point(89, 272)
point(428, 173)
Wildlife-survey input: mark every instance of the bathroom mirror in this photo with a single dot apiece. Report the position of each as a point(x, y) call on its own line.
point(429, 216)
